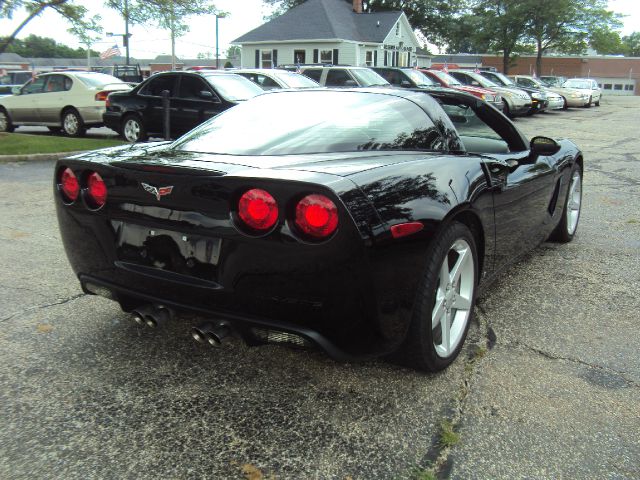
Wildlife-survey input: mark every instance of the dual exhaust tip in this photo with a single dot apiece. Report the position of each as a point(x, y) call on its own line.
point(154, 315)
point(151, 315)
point(211, 333)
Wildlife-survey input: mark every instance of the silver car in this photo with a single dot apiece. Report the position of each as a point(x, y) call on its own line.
point(588, 87)
point(273, 79)
point(67, 101)
point(556, 100)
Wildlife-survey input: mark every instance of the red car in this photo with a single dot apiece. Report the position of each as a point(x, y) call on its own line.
point(446, 80)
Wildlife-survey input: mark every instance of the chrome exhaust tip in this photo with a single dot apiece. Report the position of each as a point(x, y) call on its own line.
point(213, 334)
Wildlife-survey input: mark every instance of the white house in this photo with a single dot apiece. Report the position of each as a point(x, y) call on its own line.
point(332, 31)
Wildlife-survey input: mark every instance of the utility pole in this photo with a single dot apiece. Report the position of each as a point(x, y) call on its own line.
point(217, 52)
point(126, 28)
point(173, 40)
point(88, 44)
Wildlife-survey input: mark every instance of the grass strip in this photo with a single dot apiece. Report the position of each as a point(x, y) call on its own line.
point(23, 144)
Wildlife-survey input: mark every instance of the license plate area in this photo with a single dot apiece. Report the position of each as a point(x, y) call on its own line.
point(167, 250)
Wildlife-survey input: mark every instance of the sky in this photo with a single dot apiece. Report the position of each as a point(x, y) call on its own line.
point(244, 15)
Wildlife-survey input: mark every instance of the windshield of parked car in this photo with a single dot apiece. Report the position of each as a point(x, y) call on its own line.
point(419, 78)
point(304, 122)
point(234, 87)
point(448, 79)
point(97, 80)
point(296, 80)
point(368, 78)
point(582, 84)
point(506, 80)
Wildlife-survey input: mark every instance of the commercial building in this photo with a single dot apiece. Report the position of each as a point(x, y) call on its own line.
point(333, 32)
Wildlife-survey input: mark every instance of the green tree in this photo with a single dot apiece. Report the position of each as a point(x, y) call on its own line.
point(632, 44)
point(502, 26)
point(34, 46)
point(568, 26)
point(75, 14)
point(234, 51)
point(607, 42)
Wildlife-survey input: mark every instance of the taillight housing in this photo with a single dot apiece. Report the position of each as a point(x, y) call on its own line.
point(258, 210)
point(102, 96)
point(69, 185)
point(96, 193)
point(316, 216)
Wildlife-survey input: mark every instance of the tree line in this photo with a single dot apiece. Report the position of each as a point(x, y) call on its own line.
point(509, 27)
point(34, 46)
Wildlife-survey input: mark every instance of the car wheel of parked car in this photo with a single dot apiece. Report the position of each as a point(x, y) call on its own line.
point(597, 104)
point(443, 308)
point(568, 224)
point(133, 129)
point(588, 105)
point(505, 110)
point(72, 123)
point(565, 106)
point(5, 122)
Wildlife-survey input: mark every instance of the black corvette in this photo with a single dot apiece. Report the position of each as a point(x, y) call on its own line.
point(363, 222)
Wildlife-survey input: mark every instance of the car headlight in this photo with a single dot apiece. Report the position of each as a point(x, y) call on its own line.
point(537, 96)
point(498, 98)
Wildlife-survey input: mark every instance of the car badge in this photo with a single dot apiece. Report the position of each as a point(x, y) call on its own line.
point(159, 192)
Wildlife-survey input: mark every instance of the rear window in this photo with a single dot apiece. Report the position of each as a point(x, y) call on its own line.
point(315, 122)
point(97, 80)
point(234, 87)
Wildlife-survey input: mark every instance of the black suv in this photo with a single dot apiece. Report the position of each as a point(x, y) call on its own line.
point(193, 97)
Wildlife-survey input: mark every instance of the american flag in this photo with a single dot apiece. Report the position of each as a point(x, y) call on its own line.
point(110, 52)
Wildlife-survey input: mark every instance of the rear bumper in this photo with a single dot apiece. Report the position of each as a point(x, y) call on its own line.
point(92, 115)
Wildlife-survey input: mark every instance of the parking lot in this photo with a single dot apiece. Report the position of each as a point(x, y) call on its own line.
point(548, 385)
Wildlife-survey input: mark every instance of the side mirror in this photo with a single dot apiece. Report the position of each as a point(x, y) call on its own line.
point(206, 95)
point(15, 90)
point(544, 146)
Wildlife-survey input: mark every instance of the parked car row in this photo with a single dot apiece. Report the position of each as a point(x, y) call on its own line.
point(75, 101)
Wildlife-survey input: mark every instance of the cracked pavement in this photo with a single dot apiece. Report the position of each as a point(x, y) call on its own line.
point(548, 385)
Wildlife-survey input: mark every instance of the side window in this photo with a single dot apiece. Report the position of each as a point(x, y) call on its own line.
point(391, 76)
point(475, 134)
point(158, 84)
point(191, 88)
point(338, 78)
point(313, 74)
point(36, 86)
point(267, 83)
point(526, 82)
point(56, 83)
point(461, 77)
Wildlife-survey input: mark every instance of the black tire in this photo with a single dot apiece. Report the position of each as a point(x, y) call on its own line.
point(566, 104)
point(5, 122)
point(419, 349)
point(564, 231)
point(133, 129)
point(506, 110)
point(72, 124)
point(588, 105)
point(597, 104)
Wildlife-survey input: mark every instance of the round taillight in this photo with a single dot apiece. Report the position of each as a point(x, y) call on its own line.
point(97, 190)
point(258, 209)
point(316, 216)
point(69, 185)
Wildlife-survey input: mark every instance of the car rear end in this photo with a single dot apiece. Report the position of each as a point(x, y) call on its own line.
point(92, 93)
point(270, 251)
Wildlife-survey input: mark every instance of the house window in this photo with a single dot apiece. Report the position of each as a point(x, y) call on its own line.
point(398, 29)
point(607, 86)
point(326, 56)
point(369, 58)
point(617, 86)
point(266, 60)
point(629, 88)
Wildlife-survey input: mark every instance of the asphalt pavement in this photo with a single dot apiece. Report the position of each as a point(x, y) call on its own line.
point(548, 385)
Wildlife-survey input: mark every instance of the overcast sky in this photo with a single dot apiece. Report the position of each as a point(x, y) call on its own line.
point(245, 15)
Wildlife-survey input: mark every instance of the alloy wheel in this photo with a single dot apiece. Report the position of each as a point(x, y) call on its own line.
point(4, 121)
point(574, 202)
point(71, 123)
point(453, 298)
point(131, 130)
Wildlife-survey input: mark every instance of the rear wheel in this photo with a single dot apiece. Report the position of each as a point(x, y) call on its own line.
point(72, 123)
point(568, 224)
point(506, 110)
point(133, 129)
point(5, 122)
point(443, 308)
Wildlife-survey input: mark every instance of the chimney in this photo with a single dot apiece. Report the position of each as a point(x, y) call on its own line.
point(357, 6)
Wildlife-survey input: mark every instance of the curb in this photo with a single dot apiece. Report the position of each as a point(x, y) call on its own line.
point(37, 156)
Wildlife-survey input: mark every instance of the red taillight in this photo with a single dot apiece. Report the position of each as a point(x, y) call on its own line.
point(258, 209)
point(316, 216)
point(97, 190)
point(101, 96)
point(69, 185)
point(404, 229)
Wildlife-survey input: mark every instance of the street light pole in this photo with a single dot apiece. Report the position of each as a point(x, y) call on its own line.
point(126, 28)
point(217, 53)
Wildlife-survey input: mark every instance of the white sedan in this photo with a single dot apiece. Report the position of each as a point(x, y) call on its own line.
point(67, 101)
point(588, 87)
